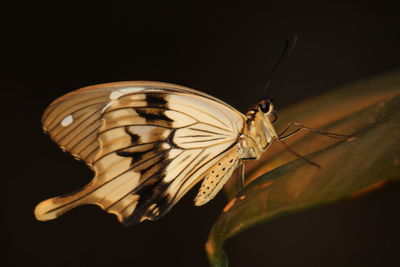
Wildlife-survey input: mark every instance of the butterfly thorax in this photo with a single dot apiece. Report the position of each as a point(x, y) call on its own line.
point(258, 133)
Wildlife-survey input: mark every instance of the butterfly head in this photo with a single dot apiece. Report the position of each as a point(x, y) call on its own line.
point(266, 107)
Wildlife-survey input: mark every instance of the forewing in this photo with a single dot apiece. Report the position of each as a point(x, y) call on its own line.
point(148, 144)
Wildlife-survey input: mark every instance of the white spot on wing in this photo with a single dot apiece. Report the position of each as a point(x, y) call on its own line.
point(120, 92)
point(115, 95)
point(165, 146)
point(131, 90)
point(106, 107)
point(67, 121)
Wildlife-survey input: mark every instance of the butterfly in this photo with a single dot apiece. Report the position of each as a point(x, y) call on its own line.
point(149, 143)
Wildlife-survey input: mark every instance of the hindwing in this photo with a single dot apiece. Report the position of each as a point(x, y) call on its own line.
point(147, 142)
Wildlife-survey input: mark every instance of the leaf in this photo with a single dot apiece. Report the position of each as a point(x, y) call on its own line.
point(350, 168)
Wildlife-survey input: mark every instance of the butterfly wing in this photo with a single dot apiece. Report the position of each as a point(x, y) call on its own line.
point(148, 144)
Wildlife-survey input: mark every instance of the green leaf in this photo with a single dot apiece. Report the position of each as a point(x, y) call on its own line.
point(367, 161)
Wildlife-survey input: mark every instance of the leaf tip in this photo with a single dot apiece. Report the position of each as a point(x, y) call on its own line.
point(229, 205)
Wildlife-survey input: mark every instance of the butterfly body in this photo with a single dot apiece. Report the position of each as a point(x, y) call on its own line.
point(149, 143)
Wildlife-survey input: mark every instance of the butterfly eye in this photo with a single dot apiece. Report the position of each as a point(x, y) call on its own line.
point(264, 107)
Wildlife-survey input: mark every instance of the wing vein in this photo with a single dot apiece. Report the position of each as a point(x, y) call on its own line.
point(202, 141)
point(207, 131)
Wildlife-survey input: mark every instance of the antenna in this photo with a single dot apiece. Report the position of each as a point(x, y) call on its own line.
point(289, 45)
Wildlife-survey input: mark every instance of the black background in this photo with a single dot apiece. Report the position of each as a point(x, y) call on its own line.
point(53, 47)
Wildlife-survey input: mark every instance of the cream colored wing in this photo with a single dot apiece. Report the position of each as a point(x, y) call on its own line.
point(147, 142)
point(217, 176)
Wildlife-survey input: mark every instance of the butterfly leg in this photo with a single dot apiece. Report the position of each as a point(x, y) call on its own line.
point(242, 175)
point(288, 148)
point(283, 136)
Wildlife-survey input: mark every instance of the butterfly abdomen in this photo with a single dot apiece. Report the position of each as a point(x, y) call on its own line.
point(217, 177)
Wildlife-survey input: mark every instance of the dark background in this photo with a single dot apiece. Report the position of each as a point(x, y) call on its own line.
point(53, 47)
